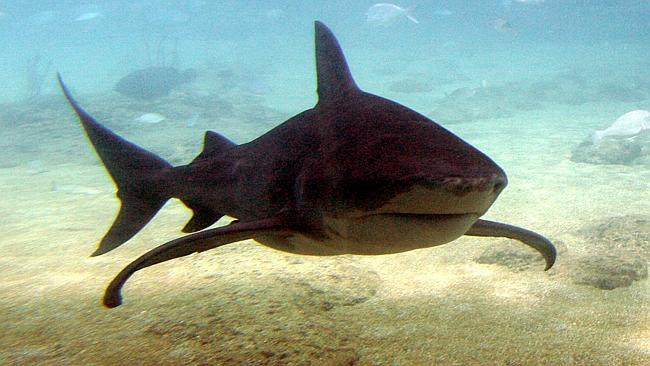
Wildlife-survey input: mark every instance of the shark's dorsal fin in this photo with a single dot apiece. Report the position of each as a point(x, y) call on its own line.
point(335, 81)
point(214, 144)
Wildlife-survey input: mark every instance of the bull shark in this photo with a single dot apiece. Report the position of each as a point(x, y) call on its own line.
point(356, 174)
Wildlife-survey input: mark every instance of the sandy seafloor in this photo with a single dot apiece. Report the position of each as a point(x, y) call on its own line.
point(245, 304)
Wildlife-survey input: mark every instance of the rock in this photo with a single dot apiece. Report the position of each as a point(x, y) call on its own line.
point(616, 91)
point(608, 271)
point(629, 234)
point(620, 249)
point(609, 151)
point(466, 105)
point(153, 82)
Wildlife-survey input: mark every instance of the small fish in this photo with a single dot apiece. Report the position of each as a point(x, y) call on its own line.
point(443, 12)
point(508, 3)
point(628, 125)
point(385, 14)
point(88, 16)
point(503, 26)
point(151, 118)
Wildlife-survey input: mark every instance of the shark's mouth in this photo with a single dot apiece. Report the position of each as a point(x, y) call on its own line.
point(386, 233)
point(432, 204)
point(424, 216)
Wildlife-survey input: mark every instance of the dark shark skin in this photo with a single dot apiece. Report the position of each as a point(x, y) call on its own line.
point(356, 174)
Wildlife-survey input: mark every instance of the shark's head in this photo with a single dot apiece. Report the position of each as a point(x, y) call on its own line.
point(386, 173)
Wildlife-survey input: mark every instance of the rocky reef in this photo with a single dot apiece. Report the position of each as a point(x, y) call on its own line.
point(617, 256)
point(634, 151)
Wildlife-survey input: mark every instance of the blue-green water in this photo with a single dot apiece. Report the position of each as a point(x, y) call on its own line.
point(527, 82)
point(543, 39)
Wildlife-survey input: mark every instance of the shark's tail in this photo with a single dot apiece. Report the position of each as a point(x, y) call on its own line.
point(137, 173)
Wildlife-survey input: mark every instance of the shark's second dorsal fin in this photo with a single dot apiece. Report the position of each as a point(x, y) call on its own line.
point(335, 81)
point(214, 144)
point(201, 218)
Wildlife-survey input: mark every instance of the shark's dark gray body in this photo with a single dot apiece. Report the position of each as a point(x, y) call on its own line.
point(356, 174)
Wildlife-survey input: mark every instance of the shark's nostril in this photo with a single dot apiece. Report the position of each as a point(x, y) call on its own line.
point(461, 186)
point(499, 183)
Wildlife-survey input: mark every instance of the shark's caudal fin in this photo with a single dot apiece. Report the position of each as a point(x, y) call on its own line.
point(335, 82)
point(136, 172)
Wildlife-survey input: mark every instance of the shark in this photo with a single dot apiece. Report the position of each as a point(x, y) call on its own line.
point(356, 174)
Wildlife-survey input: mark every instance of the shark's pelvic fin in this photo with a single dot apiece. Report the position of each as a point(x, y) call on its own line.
point(202, 217)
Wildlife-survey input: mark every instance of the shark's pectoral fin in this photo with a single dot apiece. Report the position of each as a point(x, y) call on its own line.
point(530, 238)
point(193, 243)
